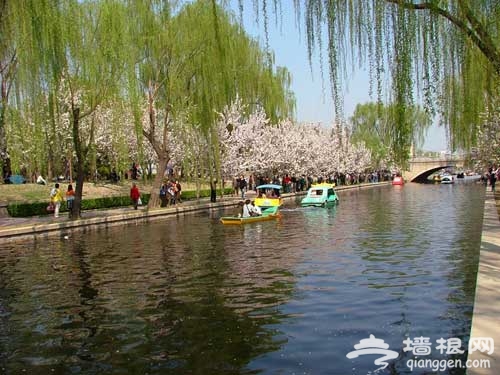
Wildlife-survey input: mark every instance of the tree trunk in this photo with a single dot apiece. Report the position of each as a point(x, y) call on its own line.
point(213, 190)
point(4, 155)
point(221, 186)
point(93, 164)
point(154, 200)
point(8, 68)
point(80, 162)
point(198, 184)
point(6, 168)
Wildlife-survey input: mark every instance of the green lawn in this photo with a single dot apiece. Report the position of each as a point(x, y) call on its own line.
point(39, 193)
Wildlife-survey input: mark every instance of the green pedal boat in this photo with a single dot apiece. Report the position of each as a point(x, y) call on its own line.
point(320, 195)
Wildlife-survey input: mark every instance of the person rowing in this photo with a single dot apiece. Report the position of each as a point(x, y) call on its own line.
point(255, 210)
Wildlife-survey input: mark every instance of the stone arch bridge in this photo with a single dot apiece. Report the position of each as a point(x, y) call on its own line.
point(422, 168)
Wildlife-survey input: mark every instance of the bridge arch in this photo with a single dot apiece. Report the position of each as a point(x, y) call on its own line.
point(421, 168)
point(423, 176)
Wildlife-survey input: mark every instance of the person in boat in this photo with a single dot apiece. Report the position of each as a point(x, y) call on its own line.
point(244, 208)
point(255, 210)
point(247, 211)
point(240, 208)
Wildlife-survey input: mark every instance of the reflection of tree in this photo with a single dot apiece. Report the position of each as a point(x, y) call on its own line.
point(86, 291)
point(41, 296)
point(208, 337)
point(178, 296)
point(209, 320)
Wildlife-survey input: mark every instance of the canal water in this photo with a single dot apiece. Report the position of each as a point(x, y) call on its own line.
point(188, 295)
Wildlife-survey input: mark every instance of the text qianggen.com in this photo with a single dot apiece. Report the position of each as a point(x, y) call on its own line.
point(445, 364)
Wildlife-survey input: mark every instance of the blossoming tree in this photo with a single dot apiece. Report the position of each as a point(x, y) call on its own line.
point(254, 144)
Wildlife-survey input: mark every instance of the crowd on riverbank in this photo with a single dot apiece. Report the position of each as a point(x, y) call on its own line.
point(292, 183)
point(491, 177)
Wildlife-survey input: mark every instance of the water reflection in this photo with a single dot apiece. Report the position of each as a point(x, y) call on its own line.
point(190, 296)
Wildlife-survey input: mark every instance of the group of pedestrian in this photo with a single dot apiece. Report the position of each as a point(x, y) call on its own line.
point(240, 185)
point(170, 193)
point(56, 199)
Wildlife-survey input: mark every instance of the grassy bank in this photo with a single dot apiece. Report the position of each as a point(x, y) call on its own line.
point(31, 193)
point(31, 199)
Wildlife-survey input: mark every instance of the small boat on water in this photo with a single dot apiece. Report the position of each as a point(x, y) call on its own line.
point(447, 179)
point(268, 200)
point(268, 196)
point(320, 195)
point(269, 213)
point(398, 180)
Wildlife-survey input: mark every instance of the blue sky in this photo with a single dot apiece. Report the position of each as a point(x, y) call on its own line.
point(314, 103)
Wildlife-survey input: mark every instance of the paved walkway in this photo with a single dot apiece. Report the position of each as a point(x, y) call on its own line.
point(486, 317)
point(13, 228)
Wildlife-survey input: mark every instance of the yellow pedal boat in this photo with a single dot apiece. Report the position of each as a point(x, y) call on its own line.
point(270, 213)
point(264, 201)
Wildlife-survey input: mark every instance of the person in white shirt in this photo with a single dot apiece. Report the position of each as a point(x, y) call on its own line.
point(255, 209)
point(247, 209)
point(40, 180)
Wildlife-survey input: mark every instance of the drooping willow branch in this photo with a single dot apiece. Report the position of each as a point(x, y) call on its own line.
point(474, 30)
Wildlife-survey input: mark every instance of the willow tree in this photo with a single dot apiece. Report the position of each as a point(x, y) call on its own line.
point(77, 44)
point(190, 63)
point(372, 124)
point(8, 64)
point(230, 65)
point(151, 71)
point(446, 51)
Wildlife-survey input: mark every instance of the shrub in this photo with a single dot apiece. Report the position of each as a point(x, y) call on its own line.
point(104, 171)
point(27, 209)
point(40, 208)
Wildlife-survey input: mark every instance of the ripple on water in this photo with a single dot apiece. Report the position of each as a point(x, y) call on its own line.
point(189, 295)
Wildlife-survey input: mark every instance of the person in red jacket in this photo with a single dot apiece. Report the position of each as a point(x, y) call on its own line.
point(135, 195)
